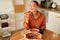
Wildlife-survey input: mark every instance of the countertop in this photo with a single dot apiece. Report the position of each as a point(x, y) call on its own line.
point(50, 9)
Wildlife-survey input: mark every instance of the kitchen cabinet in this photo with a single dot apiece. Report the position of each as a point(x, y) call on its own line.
point(51, 20)
point(19, 25)
point(19, 21)
point(54, 22)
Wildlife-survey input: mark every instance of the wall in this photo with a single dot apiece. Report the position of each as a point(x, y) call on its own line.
point(57, 1)
point(28, 4)
point(6, 5)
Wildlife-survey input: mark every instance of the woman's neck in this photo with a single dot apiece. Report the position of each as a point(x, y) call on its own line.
point(35, 13)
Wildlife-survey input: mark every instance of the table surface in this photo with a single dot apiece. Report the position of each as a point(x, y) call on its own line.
point(48, 35)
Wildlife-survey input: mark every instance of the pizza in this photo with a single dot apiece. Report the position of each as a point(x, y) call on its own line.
point(33, 35)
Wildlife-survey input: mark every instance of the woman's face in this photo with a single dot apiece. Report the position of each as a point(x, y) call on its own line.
point(33, 7)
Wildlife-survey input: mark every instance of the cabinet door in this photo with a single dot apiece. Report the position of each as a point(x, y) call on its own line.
point(51, 21)
point(19, 25)
point(54, 22)
point(19, 21)
point(57, 23)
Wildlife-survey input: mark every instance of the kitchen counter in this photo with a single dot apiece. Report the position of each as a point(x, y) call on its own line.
point(50, 9)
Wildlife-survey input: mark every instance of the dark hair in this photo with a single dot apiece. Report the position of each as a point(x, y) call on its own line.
point(36, 3)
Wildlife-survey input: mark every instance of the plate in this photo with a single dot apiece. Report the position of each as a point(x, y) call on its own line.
point(33, 36)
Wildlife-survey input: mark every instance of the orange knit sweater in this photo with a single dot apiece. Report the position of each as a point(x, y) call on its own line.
point(30, 22)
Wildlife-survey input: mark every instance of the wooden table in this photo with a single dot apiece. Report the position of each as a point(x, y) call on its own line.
point(48, 35)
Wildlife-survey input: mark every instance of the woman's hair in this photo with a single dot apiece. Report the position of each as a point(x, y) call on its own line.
point(36, 3)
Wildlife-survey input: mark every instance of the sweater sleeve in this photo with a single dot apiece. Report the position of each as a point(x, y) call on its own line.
point(26, 21)
point(44, 22)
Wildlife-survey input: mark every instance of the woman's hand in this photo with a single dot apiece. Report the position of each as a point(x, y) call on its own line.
point(42, 28)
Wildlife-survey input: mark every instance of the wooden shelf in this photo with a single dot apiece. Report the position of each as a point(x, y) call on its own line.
point(19, 8)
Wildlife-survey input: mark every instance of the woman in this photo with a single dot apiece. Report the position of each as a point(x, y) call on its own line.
point(34, 19)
